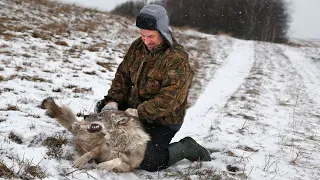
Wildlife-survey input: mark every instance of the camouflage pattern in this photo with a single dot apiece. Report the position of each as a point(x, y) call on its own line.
point(160, 92)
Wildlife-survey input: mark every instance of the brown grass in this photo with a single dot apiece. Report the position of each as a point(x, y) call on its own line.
point(41, 35)
point(194, 171)
point(27, 64)
point(88, 26)
point(253, 91)
point(26, 169)
point(70, 86)
point(35, 171)
point(62, 43)
point(90, 72)
point(97, 47)
point(106, 65)
point(12, 108)
point(82, 90)
point(55, 141)
point(33, 115)
point(2, 120)
point(13, 76)
point(15, 138)
point(7, 36)
point(35, 79)
point(54, 145)
point(56, 28)
point(244, 116)
point(246, 148)
point(5, 172)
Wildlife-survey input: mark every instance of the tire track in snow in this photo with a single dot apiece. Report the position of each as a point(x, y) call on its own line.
point(309, 72)
point(281, 124)
point(224, 83)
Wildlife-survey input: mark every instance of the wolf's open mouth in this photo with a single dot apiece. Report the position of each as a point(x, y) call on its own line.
point(92, 128)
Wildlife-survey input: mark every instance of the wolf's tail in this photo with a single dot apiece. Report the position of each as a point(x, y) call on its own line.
point(63, 115)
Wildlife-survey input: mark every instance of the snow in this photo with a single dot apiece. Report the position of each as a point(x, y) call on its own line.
point(218, 91)
point(254, 105)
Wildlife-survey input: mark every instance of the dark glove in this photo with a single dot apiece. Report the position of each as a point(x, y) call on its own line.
point(99, 105)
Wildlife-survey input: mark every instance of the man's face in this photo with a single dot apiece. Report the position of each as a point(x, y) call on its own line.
point(151, 38)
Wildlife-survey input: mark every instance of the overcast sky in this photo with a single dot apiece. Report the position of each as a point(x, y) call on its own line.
point(305, 15)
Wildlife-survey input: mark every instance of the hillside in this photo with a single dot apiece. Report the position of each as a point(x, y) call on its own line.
point(254, 105)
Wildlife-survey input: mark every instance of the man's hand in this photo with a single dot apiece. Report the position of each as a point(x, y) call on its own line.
point(132, 112)
point(100, 106)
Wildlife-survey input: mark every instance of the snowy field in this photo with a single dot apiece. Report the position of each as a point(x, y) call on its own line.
point(254, 105)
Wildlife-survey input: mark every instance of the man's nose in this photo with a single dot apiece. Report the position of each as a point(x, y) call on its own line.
point(146, 40)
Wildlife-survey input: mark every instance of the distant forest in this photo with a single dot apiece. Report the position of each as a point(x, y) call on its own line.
point(263, 20)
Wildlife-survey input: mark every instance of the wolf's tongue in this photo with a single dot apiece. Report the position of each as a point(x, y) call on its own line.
point(92, 128)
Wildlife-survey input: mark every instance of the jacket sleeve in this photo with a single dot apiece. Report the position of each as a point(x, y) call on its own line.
point(121, 83)
point(173, 92)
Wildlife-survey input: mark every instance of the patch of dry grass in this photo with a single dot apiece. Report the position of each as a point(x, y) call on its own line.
point(26, 169)
point(194, 170)
point(87, 26)
point(5, 172)
point(41, 35)
point(56, 28)
point(35, 79)
point(33, 115)
point(15, 138)
point(106, 65)
point(54, 145)
point(62, 43)
point(90, 72)
point(2, 119)
point(97, 47)
point(11, 77)
point(70, 86)
point(82, 90)
point(12, 108)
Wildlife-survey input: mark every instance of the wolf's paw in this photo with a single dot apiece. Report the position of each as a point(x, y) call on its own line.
point(106, 166)
point(116, 165)
point(76, 126)
point(78, 163)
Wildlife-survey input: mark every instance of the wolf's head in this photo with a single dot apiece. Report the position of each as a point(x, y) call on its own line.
point(108, 120)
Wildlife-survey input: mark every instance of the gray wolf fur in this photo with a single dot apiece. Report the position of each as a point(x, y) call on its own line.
point(114, 139)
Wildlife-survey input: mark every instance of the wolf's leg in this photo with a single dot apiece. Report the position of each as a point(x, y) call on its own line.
point(63, 115)
point(118, 165)
point(78, 163)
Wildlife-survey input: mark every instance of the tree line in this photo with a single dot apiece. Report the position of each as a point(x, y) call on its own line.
point(263, 20)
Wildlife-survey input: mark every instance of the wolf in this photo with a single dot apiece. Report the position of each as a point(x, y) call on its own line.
point(115, 139)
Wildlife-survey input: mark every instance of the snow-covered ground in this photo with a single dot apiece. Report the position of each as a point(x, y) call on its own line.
point(254, 105)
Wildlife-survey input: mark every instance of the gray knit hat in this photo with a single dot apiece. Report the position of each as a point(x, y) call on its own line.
point(154, 17)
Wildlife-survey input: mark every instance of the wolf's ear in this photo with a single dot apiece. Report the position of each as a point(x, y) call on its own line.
point(122, 120)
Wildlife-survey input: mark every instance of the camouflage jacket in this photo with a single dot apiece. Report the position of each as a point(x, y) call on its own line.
point(160, 92)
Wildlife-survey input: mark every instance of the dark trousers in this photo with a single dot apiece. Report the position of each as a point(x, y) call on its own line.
point(157, 154)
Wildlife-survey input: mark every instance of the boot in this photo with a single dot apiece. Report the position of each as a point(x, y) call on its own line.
point(187, 148)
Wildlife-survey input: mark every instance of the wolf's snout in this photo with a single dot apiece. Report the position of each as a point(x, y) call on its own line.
point(92, 128)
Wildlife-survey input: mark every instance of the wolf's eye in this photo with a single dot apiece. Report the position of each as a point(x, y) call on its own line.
point(112, 115)
point(92, 128)
point(100, 117)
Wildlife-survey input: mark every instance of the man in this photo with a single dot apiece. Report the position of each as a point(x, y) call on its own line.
point(153, 82)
